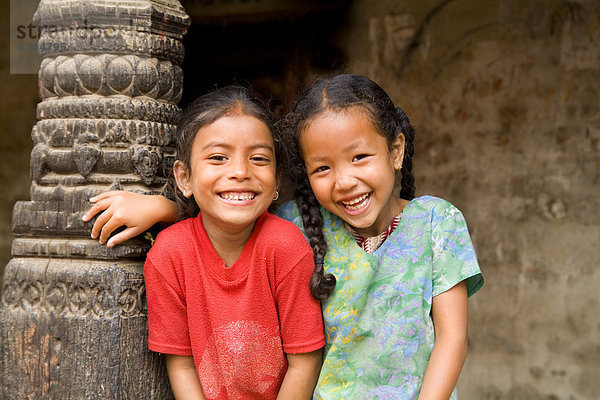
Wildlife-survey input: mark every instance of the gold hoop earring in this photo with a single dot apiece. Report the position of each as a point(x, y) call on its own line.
point(276, 195)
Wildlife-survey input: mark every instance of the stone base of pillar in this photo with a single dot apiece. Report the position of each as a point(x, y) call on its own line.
point(83, 332)
point(73, 312)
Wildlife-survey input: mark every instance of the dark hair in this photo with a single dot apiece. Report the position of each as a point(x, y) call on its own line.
point(339, 93)
point(205, 110)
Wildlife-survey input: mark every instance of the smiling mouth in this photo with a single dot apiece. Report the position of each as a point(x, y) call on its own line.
point(356, 203)
point(237, 196)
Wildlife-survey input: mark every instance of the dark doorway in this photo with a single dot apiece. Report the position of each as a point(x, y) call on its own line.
point(276, 50)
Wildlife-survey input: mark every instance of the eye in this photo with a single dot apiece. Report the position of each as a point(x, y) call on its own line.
point(322, 168)
point(360, 157)
point(217, 157)
point(261, 159)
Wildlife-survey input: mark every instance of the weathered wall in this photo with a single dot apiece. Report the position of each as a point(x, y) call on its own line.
point(504, 96)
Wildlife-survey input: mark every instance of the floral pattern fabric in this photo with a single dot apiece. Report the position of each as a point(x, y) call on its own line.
point(378, 327)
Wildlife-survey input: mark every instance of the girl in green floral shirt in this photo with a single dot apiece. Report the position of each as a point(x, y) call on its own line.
point(393, 271)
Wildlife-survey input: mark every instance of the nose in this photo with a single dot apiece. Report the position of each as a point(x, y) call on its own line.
point(345, 180)
point(239, 169)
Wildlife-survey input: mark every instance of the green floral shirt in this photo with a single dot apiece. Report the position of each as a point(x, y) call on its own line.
point(378, 325)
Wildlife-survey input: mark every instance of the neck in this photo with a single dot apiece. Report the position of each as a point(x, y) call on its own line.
point(394, 207)
point(228, 243)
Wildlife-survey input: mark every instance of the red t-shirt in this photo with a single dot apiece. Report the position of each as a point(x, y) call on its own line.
point(236, 322)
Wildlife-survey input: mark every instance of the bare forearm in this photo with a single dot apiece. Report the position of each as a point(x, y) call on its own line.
point(137, 212)
point(443, 369)
point(450, 315)
point(183, 378)
point(301, 377)
point(167, 210)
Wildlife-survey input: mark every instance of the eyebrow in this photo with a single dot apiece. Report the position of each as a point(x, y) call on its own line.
point(227, 146)
point(350, 147)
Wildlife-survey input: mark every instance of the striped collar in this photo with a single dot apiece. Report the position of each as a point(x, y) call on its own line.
point(372, 243)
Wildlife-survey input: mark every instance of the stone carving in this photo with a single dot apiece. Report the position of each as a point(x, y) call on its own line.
point(85, 153)
point(115, 108)
point(160, 17)
point(76, 299)
point(108, 75)
point(146, 160)
point(99, 145)
point(110, 132)
point(115, 135)
point(38, 165)
point(111, 41)
point(75, 248)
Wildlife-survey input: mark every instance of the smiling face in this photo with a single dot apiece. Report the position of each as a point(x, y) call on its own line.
point(352, 170)
point(231, 173)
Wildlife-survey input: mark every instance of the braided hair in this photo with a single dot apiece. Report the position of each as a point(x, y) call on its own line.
point(338, 93)
point(321, 285)
point(205, 110)
point(407, 191)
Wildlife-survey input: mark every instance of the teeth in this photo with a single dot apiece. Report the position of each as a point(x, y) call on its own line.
point(237, 196)
point(356, 200)
point(356, 203)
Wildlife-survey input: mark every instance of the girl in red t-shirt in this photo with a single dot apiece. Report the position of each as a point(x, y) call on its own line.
point(228, 286)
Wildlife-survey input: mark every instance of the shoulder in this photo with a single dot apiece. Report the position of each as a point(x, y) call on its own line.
point(289, 211)
point(282, 231)
point(172, 250)
point(177, 230)
point(282, 242)
point(430, 203)
point(432, 208)
point(175, 238)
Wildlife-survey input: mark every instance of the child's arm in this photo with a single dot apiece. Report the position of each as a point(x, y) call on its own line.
point(301, 376)
point(138, 212)
point(183, 378)
point(449, 311)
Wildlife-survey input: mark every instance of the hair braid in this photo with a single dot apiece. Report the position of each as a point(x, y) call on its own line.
point(321, 284)
point(407, 191)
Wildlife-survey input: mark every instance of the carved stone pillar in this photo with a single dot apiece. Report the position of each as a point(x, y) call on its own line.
point(74, 312)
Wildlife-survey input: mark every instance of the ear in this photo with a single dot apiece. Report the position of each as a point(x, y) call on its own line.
point(397, 151)
point(182, 178)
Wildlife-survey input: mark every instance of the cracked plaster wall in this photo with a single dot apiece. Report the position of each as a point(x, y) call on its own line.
point(504, 97)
